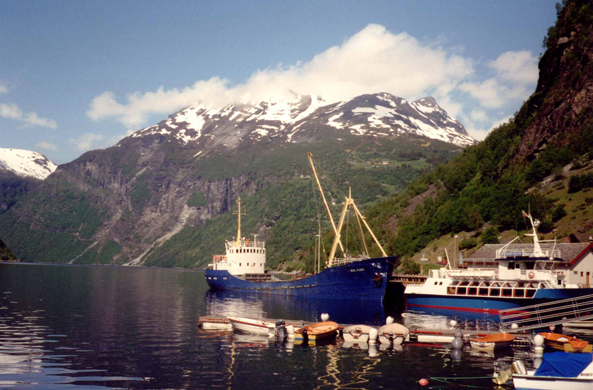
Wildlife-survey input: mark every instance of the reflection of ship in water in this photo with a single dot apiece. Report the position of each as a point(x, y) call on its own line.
point(245, 304)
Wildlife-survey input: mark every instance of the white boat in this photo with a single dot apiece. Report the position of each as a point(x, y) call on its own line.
point(558, 370)
point(251, 326)
point(356, 333)
point(393, 333)
point(507, 276)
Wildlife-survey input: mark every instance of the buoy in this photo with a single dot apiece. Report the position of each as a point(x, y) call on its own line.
point(514, 326)
point(453, 323)
point(423, 382)
point(373, 336)
point(372, 350)
point(457, 342)
point(538, 340)
point(324, 317)
point(290, 331)
point(389, 320)
point(456, 353)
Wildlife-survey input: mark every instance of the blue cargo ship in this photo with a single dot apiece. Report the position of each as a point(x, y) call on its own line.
point(516, 275)
point(349, 277)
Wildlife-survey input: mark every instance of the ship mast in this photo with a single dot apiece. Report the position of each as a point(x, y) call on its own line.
point(238, 222)
point(350, 203)
point(537, 249)
point(337, 230)
point(310, 155)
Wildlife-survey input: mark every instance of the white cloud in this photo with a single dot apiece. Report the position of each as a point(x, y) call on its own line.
point(492, 93)
point(516, 73)
point(44, 145)
point(478, 115)
point(85, 141)
point(516, 66)
point(479, 125)
point(12, 111)
point(3, 88)
point(373, 60)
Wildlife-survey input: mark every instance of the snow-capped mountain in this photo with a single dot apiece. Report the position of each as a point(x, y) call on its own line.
point(26, 163)
point(305, 118)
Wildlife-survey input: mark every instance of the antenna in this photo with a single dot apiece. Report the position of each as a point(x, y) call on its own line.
point(238, 212)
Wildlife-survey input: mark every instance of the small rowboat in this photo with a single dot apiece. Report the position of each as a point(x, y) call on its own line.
point(393, 333)
point(566, 343)
point(493, 341)
point(250, 325)
point(356, 333)
point(317, 331)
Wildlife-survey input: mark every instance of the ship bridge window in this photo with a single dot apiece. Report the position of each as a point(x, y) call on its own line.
point(511, 266)
point(530, 265)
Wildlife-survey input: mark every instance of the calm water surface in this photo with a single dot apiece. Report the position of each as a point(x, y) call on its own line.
point(64, 327)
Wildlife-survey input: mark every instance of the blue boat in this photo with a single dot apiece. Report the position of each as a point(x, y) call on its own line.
point(360, 277)
point(362, 280)
point(517, 275)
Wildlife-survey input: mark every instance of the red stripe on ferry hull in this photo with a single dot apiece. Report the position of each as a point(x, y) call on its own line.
point(491, 311)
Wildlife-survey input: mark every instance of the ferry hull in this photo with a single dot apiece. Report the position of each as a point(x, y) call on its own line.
point(491, 304)
point(361, 280)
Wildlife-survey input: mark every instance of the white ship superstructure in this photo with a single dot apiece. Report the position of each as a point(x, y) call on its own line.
point(243, 255)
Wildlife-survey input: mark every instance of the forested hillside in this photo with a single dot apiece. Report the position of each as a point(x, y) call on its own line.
point(539, 161)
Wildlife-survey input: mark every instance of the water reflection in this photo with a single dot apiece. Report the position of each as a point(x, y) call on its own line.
point(245, 304)
point(64, 327)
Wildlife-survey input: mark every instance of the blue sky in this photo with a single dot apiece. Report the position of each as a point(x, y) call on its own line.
point(80, 75)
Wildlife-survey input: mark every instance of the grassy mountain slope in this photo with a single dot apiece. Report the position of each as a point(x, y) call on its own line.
point(115, 206)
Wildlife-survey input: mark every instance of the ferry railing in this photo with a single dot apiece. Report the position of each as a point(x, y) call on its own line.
point(547, 314)
point(524, 253)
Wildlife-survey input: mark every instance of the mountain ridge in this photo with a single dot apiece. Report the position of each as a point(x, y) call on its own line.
point(131, 203)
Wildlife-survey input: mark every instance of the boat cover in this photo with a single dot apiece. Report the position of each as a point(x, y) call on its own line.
point(564, 364)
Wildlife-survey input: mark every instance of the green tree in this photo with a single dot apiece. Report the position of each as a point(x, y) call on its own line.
point(490, 235)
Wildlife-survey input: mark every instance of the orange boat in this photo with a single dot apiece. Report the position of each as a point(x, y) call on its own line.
point(317, 331)
point(566, 343)
point(493, 341)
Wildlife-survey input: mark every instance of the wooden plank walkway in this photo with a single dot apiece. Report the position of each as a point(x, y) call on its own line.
point(548, 314)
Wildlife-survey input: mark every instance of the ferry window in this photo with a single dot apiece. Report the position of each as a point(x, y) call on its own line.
point(581, 274)
point(435, 283)
point(440, 283)
point(530, 265)
point(239, 264)
point(517, 266)
point(511, 266)
point(559, 282)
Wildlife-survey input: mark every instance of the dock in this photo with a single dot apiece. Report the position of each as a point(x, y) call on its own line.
point(548, 314)
point(416, 335)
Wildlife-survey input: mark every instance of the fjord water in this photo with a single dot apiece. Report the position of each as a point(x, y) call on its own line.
point(64, 327)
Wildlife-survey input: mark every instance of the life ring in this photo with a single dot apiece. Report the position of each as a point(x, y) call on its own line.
point(531, 275)
point(448, 274)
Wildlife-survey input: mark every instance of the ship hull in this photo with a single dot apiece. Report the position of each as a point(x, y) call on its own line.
point(491, 304)
point(361, 280)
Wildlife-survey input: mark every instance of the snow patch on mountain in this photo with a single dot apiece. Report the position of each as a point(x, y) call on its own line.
point(377, 115)
point(26, 163)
